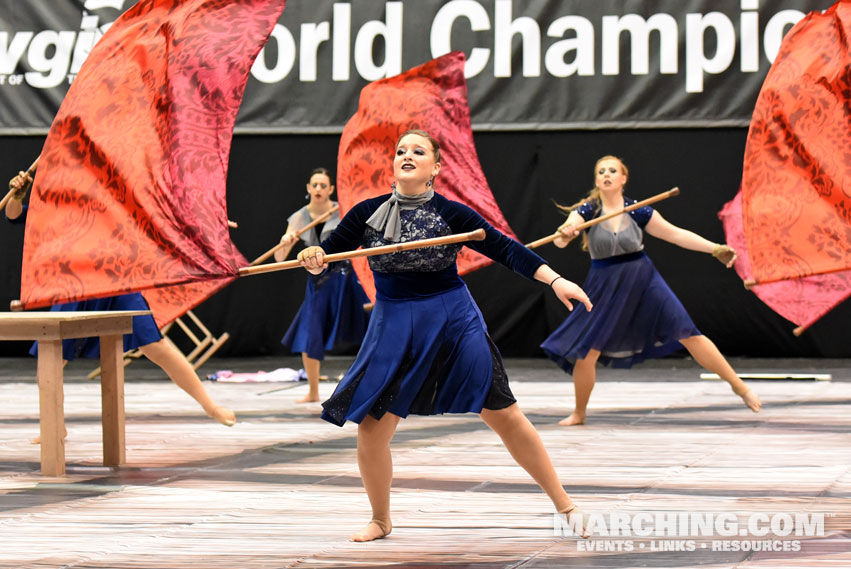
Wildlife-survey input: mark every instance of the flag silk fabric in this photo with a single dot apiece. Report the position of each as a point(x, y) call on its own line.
point(130, 189)
point(803, 300)
point(431, 97)
point(796, 179)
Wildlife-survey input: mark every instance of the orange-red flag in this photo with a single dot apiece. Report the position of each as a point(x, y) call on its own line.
point(130, 189)
point(796, 203)
point(802, 301)
point(432, 97)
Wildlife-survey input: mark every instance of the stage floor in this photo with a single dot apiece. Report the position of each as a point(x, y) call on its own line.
point(692, 476)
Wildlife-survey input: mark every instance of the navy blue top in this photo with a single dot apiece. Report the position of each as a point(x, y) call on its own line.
point(430, 270)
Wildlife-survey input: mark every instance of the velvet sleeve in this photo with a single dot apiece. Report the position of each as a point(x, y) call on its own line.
point(496, 245)
point(348, 234)
point(641, 215)
point(588, 211)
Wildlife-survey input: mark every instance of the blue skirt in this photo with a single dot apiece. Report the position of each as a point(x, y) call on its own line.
point(636, 316)
point(332, 315)
point(423, 356)
point(145, 329)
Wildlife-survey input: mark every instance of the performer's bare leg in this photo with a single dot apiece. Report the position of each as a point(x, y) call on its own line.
point(180, 371)
point(584, 376)
point(523, 442)
point(706, 353)
point(376, 470)
point(311, 366)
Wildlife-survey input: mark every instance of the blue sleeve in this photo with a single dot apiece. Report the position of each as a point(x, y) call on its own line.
point(641, 215)
point(348, 235)
point(496, 245)
point(588, 211)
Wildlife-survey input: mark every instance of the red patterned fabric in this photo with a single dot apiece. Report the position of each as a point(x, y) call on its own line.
point(796, 202)
point(130, 189)
point(802, 301)
point(432, 97)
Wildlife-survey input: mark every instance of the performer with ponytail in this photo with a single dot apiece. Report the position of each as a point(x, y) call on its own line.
point(332, 315)
point(145, 336)
point(640, 317)
point(427, 350)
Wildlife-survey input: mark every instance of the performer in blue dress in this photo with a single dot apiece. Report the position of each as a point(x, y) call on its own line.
point(640, 317)
point(332, 316)
point(145, 336)
point(427, 350)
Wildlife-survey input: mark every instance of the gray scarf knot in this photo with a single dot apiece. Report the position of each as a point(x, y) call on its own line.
point(386, 217)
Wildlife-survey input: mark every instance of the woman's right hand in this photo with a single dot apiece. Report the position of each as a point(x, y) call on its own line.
point(568, 231)
point(313, 259)
point(289, 238)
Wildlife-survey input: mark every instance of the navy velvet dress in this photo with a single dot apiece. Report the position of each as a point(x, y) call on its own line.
point(331, 317)
point(636, 316)
point(145, 329)
point(427, 350)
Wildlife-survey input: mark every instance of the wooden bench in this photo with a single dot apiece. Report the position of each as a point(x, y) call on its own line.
point(50, 328)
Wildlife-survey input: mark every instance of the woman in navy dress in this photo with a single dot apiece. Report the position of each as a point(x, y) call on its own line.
point(145, 335)
point(332, 315)
point(640, 317)
point(427, 350)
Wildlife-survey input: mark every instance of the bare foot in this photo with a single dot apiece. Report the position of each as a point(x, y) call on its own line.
point(224, 416)
point(573, 419)
point(752, 400)
point(375, 529)
point(37, 440)
point(308, 399)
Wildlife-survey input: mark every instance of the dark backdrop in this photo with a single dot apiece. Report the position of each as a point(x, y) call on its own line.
point(526, 171)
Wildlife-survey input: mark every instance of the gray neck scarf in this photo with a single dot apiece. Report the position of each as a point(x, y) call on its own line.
point(386, 217)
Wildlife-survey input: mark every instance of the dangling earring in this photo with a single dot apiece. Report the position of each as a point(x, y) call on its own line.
point(393, 186)
point(430, 183)
point(307, 197)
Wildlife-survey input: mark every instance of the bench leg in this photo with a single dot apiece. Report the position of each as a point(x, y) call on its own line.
point(51, 397)
point(112, 399)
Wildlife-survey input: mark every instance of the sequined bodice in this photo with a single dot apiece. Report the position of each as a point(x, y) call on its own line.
point(424, 222)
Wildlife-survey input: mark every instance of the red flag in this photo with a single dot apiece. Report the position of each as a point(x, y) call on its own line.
point(796, 205)
point(432, 97)
point(130, 189)
point(802, 301)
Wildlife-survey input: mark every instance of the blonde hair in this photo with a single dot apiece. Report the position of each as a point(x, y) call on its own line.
point(593, 196)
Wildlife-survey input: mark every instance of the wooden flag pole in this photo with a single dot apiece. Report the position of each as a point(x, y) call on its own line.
point(477, 235)
point(322, 218)
point(587, 224)
point(30, 171)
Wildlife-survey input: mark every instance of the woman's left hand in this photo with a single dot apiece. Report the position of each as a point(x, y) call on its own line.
point(725, 254)
point(566, 290)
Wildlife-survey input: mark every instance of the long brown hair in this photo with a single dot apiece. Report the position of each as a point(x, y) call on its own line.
point(593, 196)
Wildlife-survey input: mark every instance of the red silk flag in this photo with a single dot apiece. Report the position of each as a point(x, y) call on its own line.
point(802, 301)
point(796, 180)
point(130, 189)
point(431, 97)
